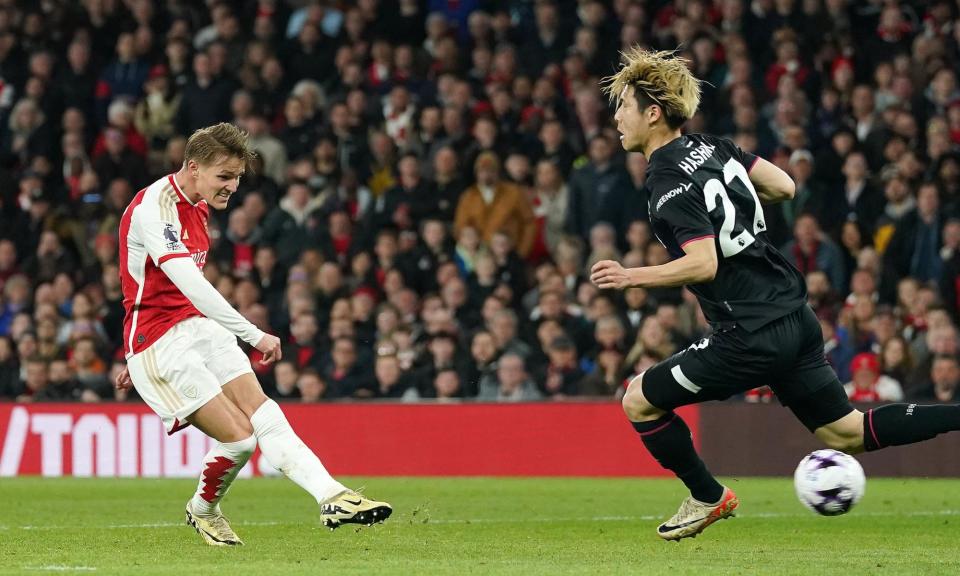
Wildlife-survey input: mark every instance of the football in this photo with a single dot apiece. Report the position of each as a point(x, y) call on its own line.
point(829, 482)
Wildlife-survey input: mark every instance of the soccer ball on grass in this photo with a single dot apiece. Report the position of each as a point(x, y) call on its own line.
point(829, 482)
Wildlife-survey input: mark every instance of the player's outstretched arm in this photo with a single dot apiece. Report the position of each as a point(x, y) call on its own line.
point(698, 264)
point(187, 278)
point(773, 184)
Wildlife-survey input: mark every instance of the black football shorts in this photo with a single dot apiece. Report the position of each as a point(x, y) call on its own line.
point(786, 355)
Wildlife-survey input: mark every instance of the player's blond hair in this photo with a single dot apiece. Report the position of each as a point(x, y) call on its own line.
point(661, 76)
point(214, 143)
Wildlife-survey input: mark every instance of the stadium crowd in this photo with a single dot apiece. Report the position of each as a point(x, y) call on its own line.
point(436, 177)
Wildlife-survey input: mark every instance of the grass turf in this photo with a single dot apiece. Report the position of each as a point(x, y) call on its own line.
point(475, 526)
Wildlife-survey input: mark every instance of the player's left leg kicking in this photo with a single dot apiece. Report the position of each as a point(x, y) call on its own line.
point(225, 417)
point(180, 377)
point(281, 446)
point(286, 452)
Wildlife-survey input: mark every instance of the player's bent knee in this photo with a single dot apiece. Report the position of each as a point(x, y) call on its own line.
point(635, 405)
point(246, 393)
point(238, 430)
point(240, 425)
point(222, 420)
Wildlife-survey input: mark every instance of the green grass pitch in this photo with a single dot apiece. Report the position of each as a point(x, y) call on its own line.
point(475, 526)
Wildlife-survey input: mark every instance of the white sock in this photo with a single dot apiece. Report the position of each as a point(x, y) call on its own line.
point(220, 467)
point(285, 451)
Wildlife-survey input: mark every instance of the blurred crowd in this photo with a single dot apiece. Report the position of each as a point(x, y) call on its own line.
point(436, 177)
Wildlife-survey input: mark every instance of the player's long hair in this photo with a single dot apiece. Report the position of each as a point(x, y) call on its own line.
point(660, 77)
point(214, 143)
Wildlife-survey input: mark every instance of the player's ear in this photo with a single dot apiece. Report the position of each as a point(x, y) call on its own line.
point(654, 113)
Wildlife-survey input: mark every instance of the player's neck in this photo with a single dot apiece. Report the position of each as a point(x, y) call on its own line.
point(658, 140)
point(186, 185)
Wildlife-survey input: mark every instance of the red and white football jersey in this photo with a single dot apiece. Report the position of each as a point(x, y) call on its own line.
point(159, 224)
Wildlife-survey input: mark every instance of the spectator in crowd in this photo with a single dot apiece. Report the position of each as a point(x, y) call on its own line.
point(447, 385)
point(90, 369)
point(482, 363)
point(344, 376)
point(205, 99)
point(563, 374)
point(914, 248)
point(550, 198)
point(390, 380)
point(446, 186)
point(809, 196)
point(285, 377)
point(311, 386)
point(512, 383)
point(118, 159)
point(83, 322)
point(812, 250)
point(896, 360)
point(35, 379)
point(155, 114)
point(492, 206)
point(76, 79)
point(267, 147)
point(943, 380)
point(62, 386)
point(302, 350)
point(28, 134)
point(126, 75)
point(868, 384)
point(599, 192)
point(931, 343)
point(120, 115)
point(652, 340)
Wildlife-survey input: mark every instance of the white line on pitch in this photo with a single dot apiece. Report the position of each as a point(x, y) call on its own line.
point(427, 520)
point(61, 568)
point(124, 526)
point(660, 517)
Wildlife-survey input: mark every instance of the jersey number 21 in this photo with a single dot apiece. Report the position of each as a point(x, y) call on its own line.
point(734, 174)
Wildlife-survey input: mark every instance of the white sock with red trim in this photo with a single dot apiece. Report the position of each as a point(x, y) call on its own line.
point(286, 452)
point(220, 467)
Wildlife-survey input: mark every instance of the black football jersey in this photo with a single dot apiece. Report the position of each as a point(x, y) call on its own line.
point(700, 188)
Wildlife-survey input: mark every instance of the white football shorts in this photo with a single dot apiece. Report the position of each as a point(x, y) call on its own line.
point(186, 368)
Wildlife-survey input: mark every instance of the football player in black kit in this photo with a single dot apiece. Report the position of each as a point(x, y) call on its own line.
point(705, 208)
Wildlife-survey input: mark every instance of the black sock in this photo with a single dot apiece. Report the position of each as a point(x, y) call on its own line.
point(668, 440)
point(899, 424)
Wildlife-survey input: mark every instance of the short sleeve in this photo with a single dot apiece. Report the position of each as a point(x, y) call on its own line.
point(159, 227)
point(679, 203)
point(748, 159)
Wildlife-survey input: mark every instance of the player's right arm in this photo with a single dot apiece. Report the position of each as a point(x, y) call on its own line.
point(160, 229)
point(676, 201)
point(773, 185)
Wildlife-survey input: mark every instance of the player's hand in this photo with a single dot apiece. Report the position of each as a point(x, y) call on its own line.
point(269, 346)
point(607, 274)
point(123, 381)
